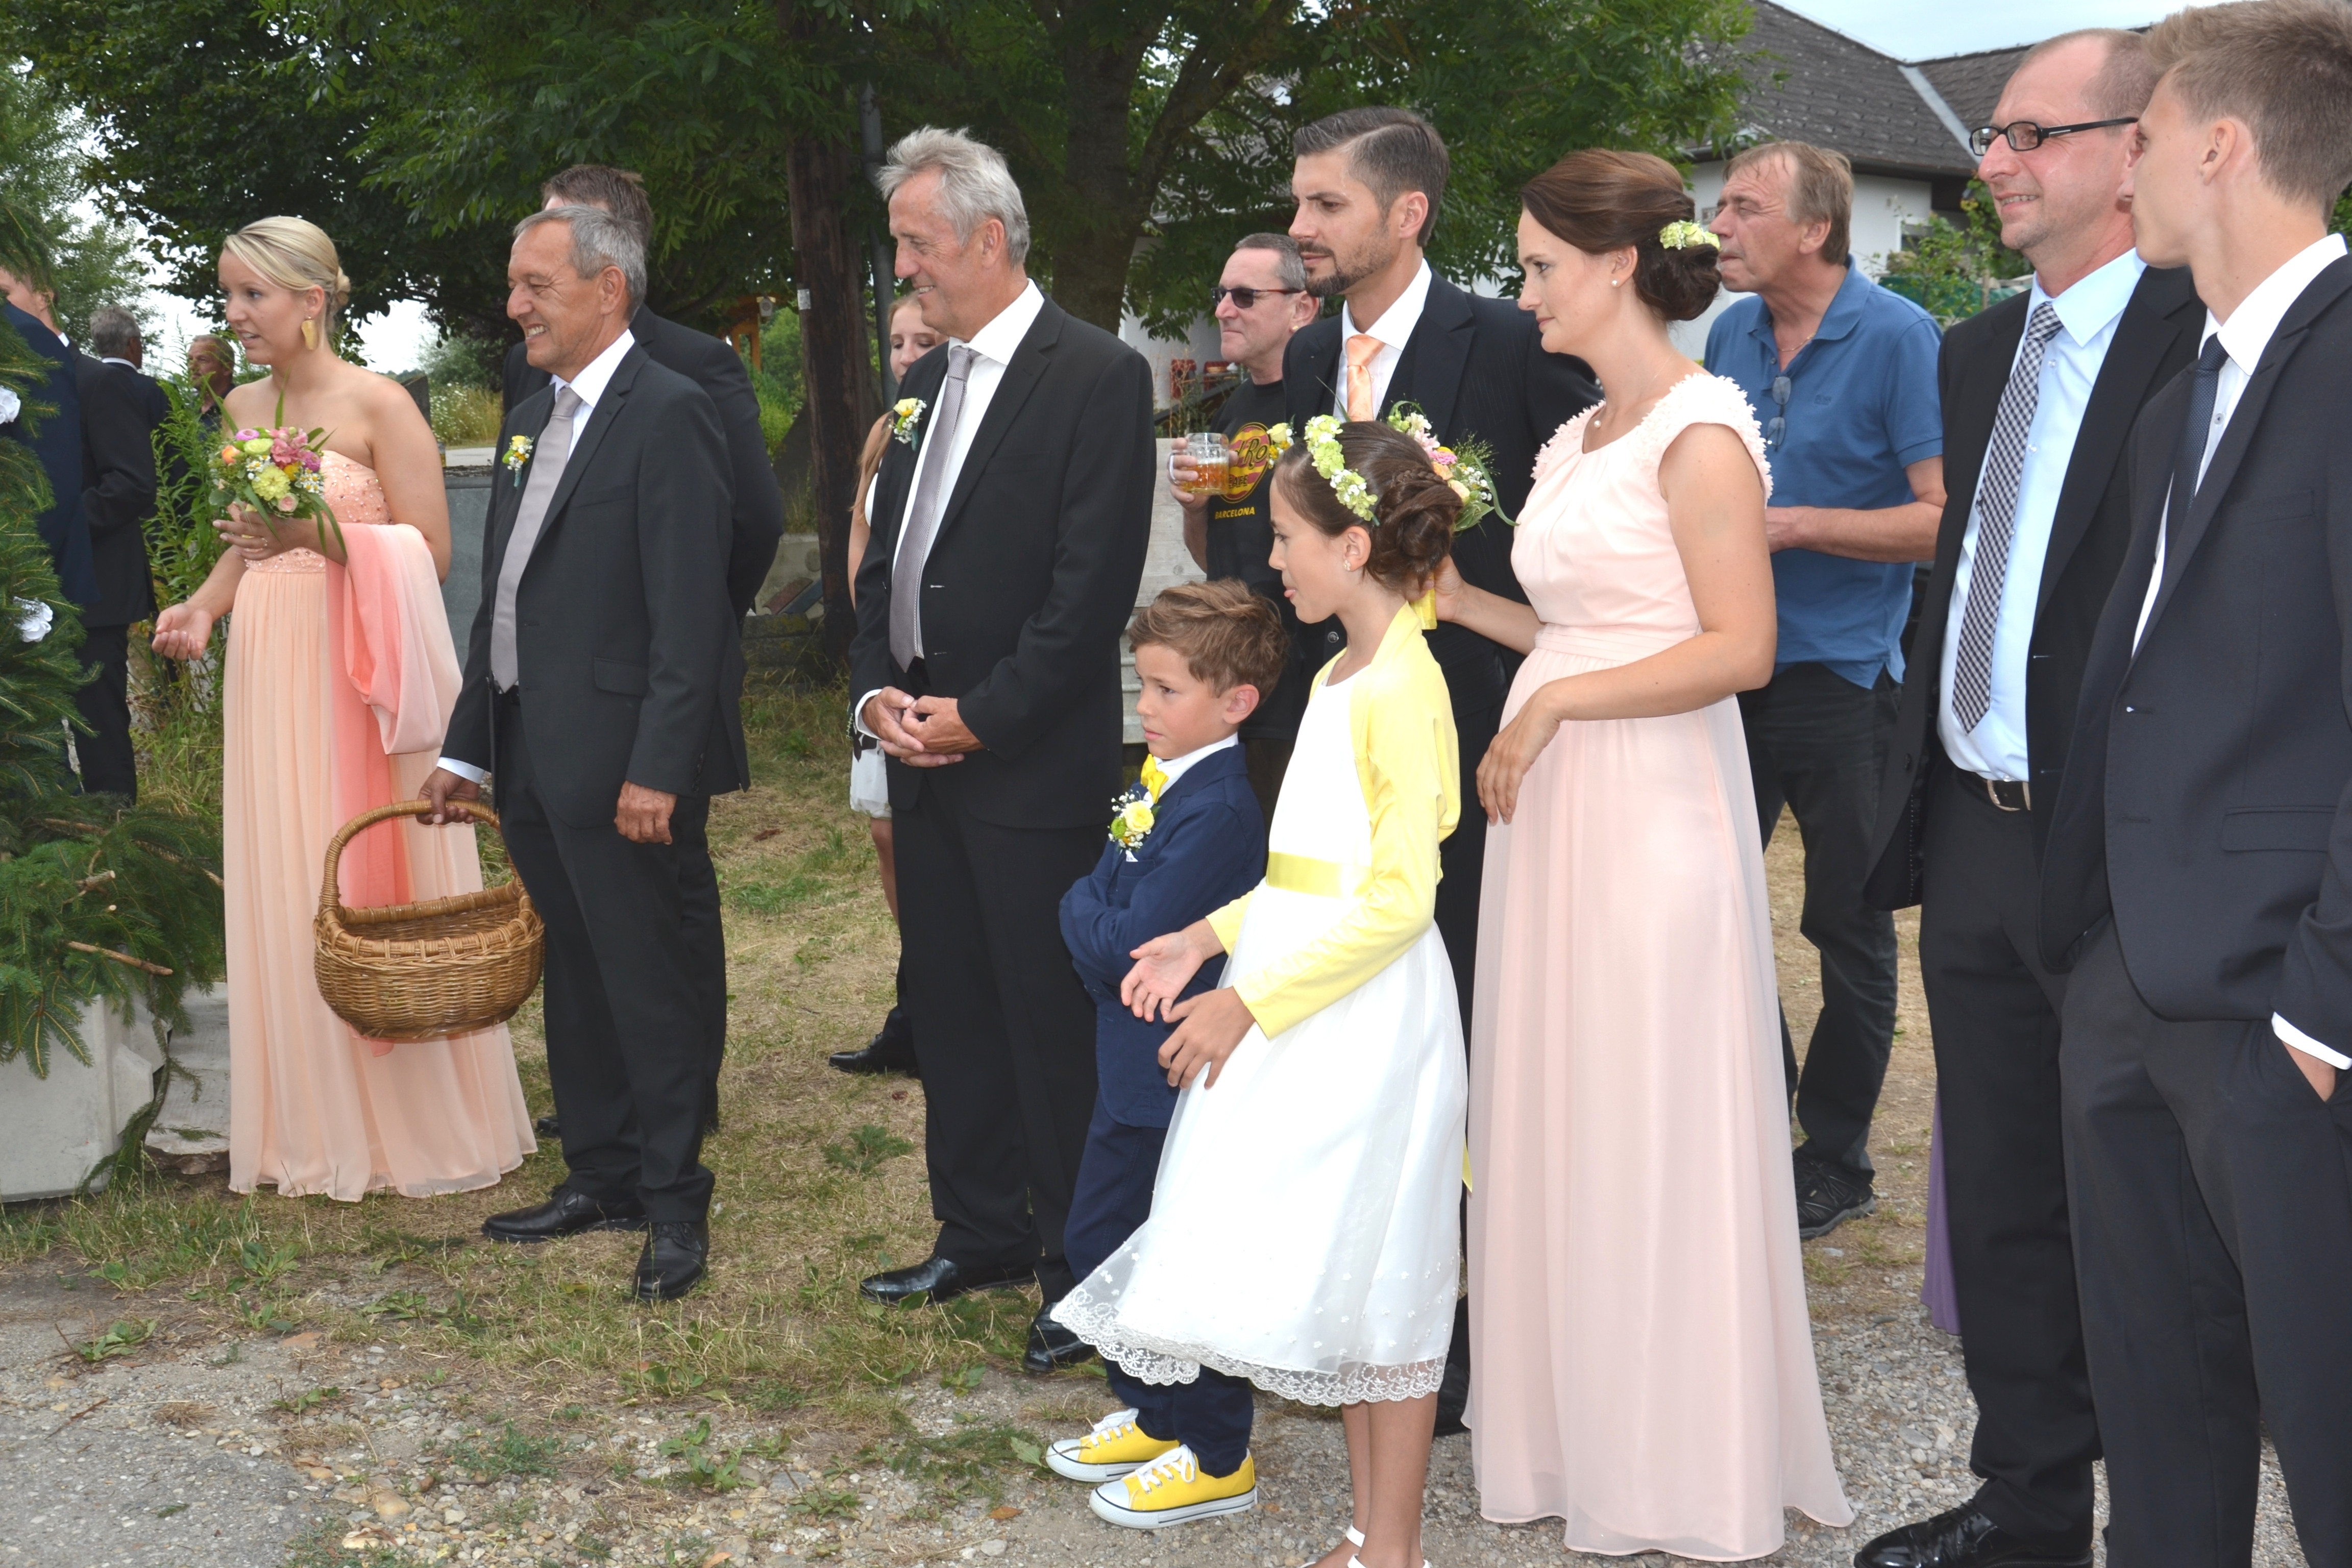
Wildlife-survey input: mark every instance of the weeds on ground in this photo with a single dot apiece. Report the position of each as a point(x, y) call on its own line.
point(866, 1150)
point(972, 1456)
point(124, 1336)
point(512, 1452)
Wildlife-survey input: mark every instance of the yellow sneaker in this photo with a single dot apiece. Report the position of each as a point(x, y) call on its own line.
point(1172, 1489)
point(1117, 1447)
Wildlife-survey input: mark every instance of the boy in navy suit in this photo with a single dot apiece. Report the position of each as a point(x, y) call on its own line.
point(1188, 839)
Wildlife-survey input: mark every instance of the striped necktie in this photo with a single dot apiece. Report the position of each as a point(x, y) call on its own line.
point(2004, 474)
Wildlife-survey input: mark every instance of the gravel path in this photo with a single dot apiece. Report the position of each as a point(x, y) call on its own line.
point(174, 1456)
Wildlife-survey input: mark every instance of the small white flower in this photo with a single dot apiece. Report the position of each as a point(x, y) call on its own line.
point(34, 619)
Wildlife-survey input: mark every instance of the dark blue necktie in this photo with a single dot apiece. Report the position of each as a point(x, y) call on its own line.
point(2189, 462)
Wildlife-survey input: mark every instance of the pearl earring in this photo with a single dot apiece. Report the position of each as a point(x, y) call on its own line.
point(1616, 282)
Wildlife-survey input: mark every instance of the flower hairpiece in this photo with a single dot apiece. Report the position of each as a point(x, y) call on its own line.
point(1682, 233)
point(1463, 466)
point(1323, 447)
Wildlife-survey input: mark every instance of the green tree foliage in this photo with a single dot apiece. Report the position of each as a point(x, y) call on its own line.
point(99, 901)
point(92, 262)
point(208, 114)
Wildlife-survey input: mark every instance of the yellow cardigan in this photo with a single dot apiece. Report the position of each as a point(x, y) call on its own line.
point(1407, 757)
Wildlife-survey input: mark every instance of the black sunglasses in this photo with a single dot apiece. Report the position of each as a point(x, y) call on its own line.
point(1778, 425)
point(2025, 136)
point(1244, 299)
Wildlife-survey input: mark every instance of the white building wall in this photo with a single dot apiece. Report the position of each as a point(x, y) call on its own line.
point(1881, 207)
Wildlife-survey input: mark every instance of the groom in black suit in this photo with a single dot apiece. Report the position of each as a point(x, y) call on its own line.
point(2198, 880)
point(600, 683)
point(1368, 183)
point(1009, 535)
point(712, 364)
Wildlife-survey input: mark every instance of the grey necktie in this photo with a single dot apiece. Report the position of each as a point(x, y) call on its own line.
point(923, 516)
point(548, 456)
point(2004, 474)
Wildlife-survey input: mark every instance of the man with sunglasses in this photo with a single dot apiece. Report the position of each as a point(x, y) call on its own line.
point(2038, 394)
point(1260, 299)
point(1842, 376)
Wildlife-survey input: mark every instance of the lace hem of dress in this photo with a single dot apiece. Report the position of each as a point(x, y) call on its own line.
point(1157, 1360)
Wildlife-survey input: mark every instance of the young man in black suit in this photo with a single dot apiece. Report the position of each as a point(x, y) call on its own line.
point(31, 307)
point(601, 683)
point(2198, 879)
point(1368, 183)
point(2038, 394)
point(120, 411)
point(712, 364)
point(1009, 532)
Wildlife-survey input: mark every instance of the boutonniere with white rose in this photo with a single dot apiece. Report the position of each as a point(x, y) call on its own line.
point(518, 454)
point(1131, 817)
point(905, 415)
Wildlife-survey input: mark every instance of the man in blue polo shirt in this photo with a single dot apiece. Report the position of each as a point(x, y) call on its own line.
point(1842, 374)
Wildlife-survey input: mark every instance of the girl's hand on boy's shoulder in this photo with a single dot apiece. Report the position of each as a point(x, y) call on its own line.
point(1208, 1027)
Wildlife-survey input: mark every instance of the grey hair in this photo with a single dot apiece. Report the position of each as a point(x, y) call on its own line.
point(1288, 265)
point(975, 184)
point(598, 240)
point(113, 331)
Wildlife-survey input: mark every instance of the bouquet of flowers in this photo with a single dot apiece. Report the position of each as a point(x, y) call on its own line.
point(276, 473)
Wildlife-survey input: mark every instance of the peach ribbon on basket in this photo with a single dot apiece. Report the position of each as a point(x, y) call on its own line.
point(400, 686)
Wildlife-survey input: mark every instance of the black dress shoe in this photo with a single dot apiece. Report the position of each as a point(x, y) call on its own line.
point(892, 1050)
point(1052, 1346)
point(549, 1126)
point(672, 1262)
point(1964, 1537)
point(941, 1279)
point(565, 1212)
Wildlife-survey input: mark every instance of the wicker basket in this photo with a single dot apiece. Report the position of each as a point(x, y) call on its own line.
point(414, 972)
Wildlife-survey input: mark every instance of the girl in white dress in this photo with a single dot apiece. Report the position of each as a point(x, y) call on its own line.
point(1305, 1229)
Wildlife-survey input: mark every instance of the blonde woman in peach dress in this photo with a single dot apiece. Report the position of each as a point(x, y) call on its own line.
point(1641, 1366)
point(340, 674)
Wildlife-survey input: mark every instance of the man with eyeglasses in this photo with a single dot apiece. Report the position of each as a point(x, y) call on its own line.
point(1842, 376)
point(1260, 299)
point(2038, 394)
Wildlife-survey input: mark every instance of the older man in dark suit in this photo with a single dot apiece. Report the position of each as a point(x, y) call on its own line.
point(2038, 394)
point(2197, 880)
point(1009, 533)
point(757, 523)
point(601, 683)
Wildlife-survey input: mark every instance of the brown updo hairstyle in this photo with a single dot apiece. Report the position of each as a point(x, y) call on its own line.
point(1601, 200)
point(1413, 509)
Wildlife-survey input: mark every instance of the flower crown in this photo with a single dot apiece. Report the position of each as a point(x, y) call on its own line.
point(1682, 233)
point(1463, 465)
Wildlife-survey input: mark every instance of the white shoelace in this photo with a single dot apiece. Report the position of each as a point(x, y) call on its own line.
point(1176, 1466)
point(1111, 1426)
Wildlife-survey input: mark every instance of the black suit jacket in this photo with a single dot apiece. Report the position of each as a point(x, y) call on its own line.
point(1031, 577)
point(2156, 336)
point(626, 659)
point(2208, 806)
point(120, 411)
point(58, 447)
point(1476, 367)
point(712, 364)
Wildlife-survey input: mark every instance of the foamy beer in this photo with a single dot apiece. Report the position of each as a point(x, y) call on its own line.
point(1211, 462)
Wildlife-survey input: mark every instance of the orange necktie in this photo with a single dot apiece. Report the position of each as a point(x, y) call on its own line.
point(1362, 350)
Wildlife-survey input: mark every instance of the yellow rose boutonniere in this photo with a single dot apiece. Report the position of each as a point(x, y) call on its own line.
point(905, 414)
point(517, 453)
point(1131, 817)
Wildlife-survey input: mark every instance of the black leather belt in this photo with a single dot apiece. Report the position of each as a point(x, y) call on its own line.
point(2009, 795)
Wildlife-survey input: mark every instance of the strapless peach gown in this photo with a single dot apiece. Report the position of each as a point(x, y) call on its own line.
point(1642, 1365)
point(312, 1107)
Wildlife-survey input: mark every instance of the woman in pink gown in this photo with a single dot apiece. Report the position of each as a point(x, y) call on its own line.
point(1642, 1365)
point(340, 674)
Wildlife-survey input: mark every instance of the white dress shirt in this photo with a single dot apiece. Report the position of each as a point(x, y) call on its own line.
point(1394, 327)
point(2244, 337)
point(1173, 770)
point(2087, 313)
point(588, 386)
point(991, 351)
point(117, 359)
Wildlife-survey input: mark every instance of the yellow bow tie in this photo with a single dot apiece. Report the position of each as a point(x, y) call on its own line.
point(1155, 777)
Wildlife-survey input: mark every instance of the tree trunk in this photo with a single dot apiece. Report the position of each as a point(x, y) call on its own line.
point(841, 402)
point(1090, 260)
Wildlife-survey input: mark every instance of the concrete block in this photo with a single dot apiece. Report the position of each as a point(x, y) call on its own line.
point(191, 1133)
point(54, 1131)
